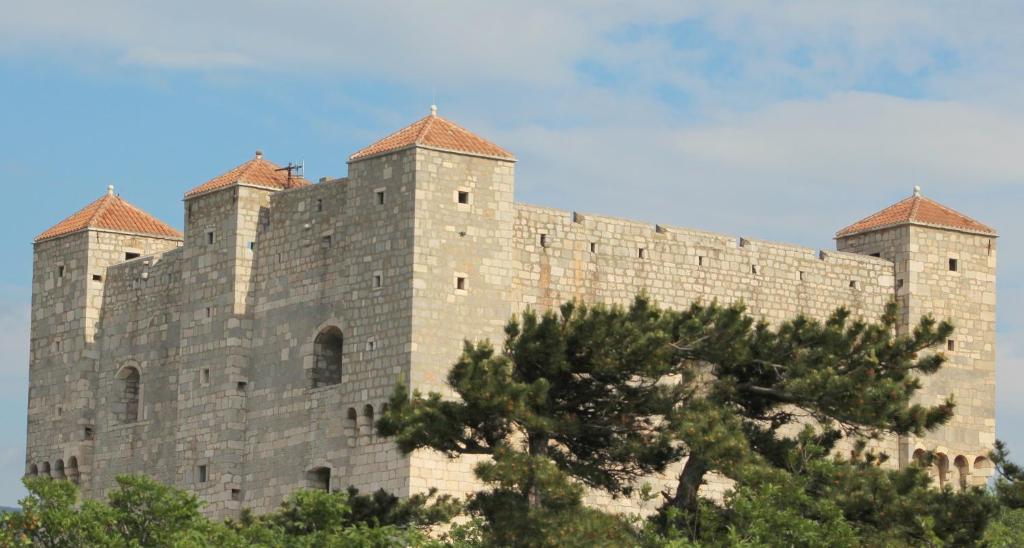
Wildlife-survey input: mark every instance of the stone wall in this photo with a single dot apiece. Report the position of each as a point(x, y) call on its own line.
point(331, 256)
point(70, 289)
point(266, 346)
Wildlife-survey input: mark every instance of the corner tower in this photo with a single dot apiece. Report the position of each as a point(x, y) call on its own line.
point(69, 269)
point(944, 265)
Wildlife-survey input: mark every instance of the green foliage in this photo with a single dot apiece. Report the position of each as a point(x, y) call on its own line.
point(142, 513)
point(600, 396)
point(574, 399)
point(1009, 483)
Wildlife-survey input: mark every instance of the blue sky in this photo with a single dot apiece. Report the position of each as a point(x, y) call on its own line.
point(784, 121)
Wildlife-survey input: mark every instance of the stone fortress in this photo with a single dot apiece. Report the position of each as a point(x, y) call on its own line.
point(248, 357)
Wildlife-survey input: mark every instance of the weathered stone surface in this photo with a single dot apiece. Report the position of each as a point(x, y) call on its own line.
point(409, 255)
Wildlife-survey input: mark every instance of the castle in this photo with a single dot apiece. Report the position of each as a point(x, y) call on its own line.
point(247, 357)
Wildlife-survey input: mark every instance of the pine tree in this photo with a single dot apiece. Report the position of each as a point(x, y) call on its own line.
point(578, 394)
point(849, 378)
point(601, 396)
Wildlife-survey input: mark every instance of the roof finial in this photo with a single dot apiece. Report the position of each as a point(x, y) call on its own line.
point(259, 154)
point(433, 110)
point(110, 190)
point(917, 190)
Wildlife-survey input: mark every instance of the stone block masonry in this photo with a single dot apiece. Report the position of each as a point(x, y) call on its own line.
point(249, 356)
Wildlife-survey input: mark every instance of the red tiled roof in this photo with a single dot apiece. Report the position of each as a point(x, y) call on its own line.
point(255, 172)
point(435, 132)
point(917, 210)
point(111, 212)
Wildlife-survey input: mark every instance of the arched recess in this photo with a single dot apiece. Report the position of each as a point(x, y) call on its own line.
point(328, 347)
point(319, 478)
point(33, 470)
point(58, 469)
point(942, 468)
point(127, 394)
point(963, 471)
point(982, 470)
point(368, 418)
point(44, 469)
point(72, 470)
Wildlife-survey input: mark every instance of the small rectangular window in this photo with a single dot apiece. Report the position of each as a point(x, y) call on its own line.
point(325, 242)
point(201, 473)
point(87, 434)
point(463, 197)
point(236, 494)
point(460, 283)
point(60, 271)
point(641, 253)
point(209, 237)
point(205, 376)
point(209, 312)
point(854, 284)
point(593, 247)
point(953, 265)
point(800, 275)
point(879, 255)
point(319, 204)
point(241, 386)
point(543, 240)
point(754, 269)
point(97, 278)
point(380, 197)
point(252, 246)
point(950, 345)
point(129, 255)
point(371, 345)
point(899, 283)
point(378, 281)
point(700, 260)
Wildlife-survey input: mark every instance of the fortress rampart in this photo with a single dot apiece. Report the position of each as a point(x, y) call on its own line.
point(249, 356)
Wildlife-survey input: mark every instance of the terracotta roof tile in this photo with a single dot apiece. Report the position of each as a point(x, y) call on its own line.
point(111, 212)
point(255, 172)
point(435, 132)
point(917, 210)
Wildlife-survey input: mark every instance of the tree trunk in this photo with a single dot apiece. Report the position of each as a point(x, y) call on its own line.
point(690, 480)
point(538, 448)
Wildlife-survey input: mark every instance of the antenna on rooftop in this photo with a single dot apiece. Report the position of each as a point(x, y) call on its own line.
point(292, 169)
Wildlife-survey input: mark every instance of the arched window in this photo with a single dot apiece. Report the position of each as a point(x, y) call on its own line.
point(128, 385)
point(44, 469)
point(33, 470)
point(963, 473)
point(58, 469)
point(327, 350)
point(942, 468)
point(319, 478)
point(72, 470)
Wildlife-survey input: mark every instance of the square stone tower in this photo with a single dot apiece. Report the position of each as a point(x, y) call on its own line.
point(944, 265)
point(69, 279)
